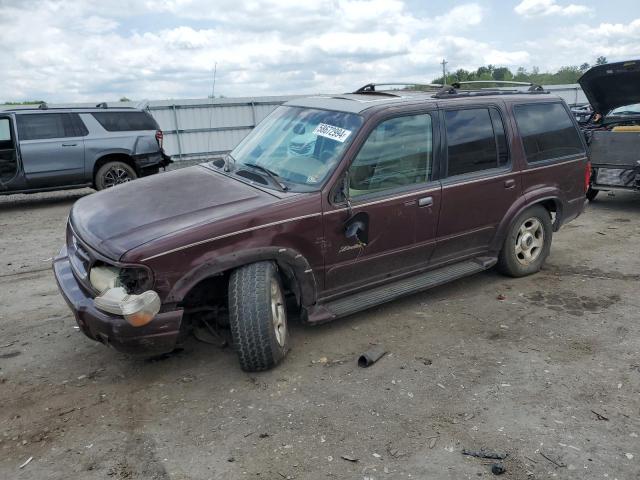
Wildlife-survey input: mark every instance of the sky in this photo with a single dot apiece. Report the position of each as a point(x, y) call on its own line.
point(102, 50)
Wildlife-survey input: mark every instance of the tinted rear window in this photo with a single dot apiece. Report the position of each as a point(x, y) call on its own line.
point(40, 126)
point(125, 121)
point(547, 132)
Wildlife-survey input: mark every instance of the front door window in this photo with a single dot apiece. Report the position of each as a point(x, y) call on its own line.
point(398, 153)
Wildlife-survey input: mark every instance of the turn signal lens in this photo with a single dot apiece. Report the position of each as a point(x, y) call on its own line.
point(138, 310)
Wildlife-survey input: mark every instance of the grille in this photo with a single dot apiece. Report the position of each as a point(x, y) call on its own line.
point(81, 260)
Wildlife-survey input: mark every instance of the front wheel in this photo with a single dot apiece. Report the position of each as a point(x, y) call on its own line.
point(113, 173)
point(527, 244)
point(258, 316)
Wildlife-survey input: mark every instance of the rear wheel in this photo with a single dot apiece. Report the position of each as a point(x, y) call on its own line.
point(592, 194)
point(258, 316)
point(528, 243)
point(114, 173)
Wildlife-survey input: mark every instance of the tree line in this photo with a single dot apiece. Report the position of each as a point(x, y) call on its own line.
point(568, 74)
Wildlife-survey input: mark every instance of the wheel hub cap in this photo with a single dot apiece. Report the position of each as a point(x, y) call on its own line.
point(530, 241)
point(278, 312)
point(116, 176)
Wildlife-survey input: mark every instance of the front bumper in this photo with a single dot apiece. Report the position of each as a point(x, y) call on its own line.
point(159, 336)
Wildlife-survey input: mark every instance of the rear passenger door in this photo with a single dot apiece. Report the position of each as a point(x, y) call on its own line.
point(478, 184)
point(52, 148)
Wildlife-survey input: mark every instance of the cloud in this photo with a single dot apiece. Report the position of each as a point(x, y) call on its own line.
point(94, 50)
point(538, 8)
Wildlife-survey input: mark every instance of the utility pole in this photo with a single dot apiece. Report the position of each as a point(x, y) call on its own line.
point(444, 72)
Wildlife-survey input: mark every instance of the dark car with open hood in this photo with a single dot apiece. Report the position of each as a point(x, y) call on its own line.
point(332, 205)
point(612, 129)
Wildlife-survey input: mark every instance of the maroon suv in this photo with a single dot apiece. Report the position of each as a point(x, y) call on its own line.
point(332, 205)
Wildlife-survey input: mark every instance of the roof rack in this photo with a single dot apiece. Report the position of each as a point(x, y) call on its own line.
point(533, 87)
point(455, 89)
point(44, 106)
point(371, 87)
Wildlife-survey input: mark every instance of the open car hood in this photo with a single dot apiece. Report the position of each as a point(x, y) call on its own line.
point(612, 85)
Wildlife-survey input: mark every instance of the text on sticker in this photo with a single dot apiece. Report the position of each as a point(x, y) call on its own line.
point(334, 133)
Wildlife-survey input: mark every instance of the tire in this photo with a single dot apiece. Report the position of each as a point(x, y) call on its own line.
point(258, 316)
point(592, 194)
point(113, 173)
point(527, 244)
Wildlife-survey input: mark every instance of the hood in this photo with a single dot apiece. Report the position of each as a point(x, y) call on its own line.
point(612, 85)
point(118, 219)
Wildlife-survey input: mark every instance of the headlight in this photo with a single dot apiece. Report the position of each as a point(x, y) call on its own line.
point(125, 291)
point(134, 280)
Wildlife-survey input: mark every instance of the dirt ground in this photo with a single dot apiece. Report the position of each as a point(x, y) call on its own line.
point(545, 368)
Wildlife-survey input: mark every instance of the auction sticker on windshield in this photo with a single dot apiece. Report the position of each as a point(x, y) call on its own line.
point(334, 133)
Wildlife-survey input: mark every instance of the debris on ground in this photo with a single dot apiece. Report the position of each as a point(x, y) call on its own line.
point(482, 453)
point(433, 441)
point(349, 458)
point(371, 356)
point(26, 463)
point(599, 416)
point(498, 468)
point(501, 297)
point(557, 462)
point(424, 360)
point(263, 435)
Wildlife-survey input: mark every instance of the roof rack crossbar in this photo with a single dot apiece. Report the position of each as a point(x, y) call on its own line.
point(533, 87)
point(480, 93)
point(371, 87)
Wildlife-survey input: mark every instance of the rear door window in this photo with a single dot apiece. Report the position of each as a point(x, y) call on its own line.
point(125, 121)
point(476, 140)
point(547, 132)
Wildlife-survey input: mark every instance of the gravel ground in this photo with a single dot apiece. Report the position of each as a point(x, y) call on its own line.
point(545, 368)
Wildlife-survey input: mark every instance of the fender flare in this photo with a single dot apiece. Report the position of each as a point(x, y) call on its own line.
point(294, 265)
point(525, 202)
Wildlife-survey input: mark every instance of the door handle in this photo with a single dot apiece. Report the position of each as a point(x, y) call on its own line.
point(69, 144)
point(509, 183)
point(425, 202)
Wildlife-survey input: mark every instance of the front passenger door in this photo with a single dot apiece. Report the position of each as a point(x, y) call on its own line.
point(52, 149)
point(392, 189)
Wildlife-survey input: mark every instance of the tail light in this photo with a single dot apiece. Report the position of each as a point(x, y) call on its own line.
point(159, 137)
point(587, 176)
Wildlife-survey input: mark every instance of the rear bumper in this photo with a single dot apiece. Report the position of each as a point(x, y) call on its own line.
point(148, 161)
point(615, 177)
point(159, 336)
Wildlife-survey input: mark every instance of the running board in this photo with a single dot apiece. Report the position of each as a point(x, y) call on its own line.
point(385, 293)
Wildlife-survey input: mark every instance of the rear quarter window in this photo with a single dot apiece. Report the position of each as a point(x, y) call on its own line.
point(125, 121)
point(547, 132)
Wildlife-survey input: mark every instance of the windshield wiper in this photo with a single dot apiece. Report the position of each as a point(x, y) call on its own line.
point(273, 176)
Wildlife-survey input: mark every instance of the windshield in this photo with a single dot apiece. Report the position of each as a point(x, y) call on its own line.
point(633, 109)
point(298, 146)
